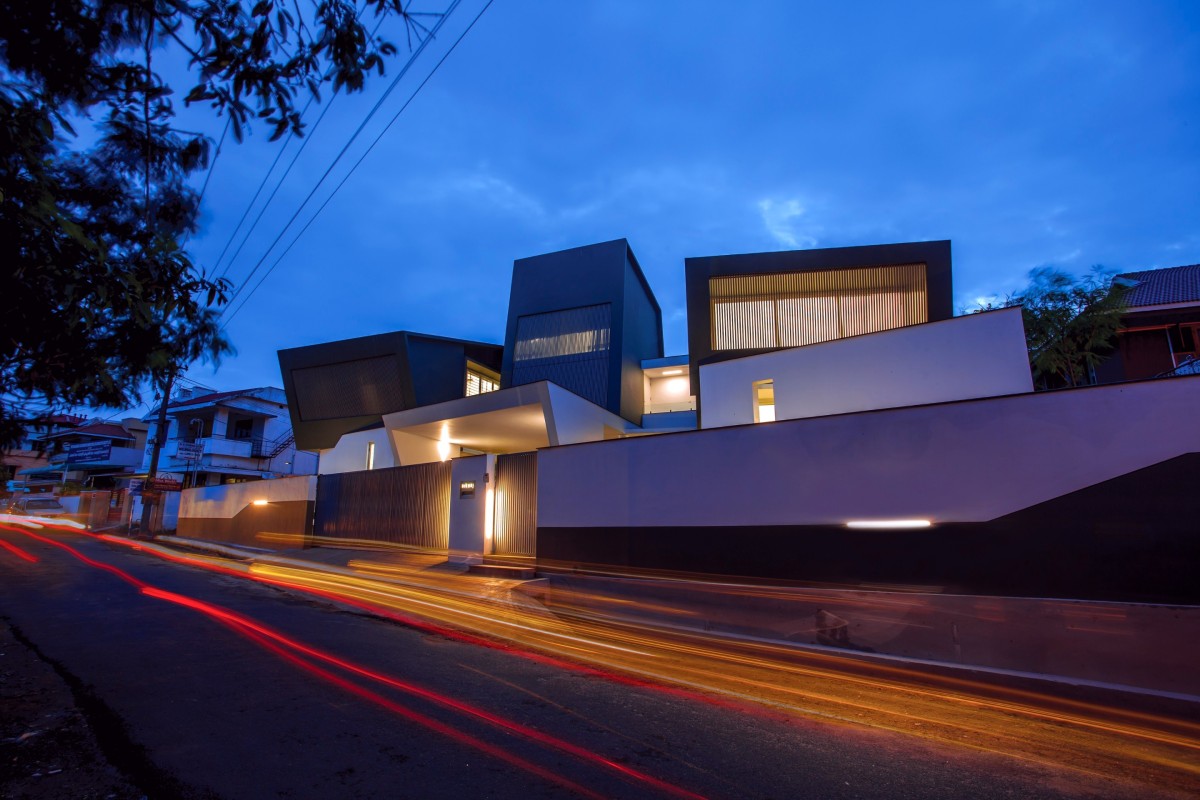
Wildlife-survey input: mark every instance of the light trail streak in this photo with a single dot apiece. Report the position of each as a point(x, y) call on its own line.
point(16, 551)
point(1015, 722)
point(246, 623)
point(291, 650)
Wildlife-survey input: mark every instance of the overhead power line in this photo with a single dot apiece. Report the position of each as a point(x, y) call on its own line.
point(354, 167)
point(279, 155)
point(353, 137)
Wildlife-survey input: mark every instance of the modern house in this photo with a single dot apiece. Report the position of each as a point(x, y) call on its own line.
point(217, 438)
point(833, 422)
point(1160, 330)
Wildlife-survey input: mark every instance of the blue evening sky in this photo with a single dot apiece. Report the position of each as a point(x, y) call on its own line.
point(1029, 133)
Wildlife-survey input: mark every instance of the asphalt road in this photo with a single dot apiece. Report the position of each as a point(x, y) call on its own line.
point(203, 685)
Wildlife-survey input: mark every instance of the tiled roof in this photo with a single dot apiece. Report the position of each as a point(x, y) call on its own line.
point(105, 429)
point(1154, 287)
point(201, 399)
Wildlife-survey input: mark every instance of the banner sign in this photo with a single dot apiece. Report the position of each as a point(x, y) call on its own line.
point(166, 483)
point(189, 451)
point(88, 451)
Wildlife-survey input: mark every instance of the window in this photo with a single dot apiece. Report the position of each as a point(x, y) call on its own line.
point(764, 401)
point(755, 312)
point(479, 381)
point(243, 428)
point(569, 347)
point(370, 455)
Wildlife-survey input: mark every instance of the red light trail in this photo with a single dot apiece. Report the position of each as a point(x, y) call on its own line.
point(292, 650)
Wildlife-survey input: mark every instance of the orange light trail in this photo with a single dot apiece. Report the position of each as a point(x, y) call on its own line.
point(1089, 737)
point(291, 650)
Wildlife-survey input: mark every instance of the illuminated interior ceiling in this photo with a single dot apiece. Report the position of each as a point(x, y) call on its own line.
point(510, 430)
point(506, 421)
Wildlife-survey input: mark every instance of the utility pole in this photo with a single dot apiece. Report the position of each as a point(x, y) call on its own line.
point(150, 495)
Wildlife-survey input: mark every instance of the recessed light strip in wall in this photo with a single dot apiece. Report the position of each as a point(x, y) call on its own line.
point(888, 524)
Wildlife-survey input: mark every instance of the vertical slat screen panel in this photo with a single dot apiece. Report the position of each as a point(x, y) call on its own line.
point(798, 308)
point(402, 505)
point(516, 505)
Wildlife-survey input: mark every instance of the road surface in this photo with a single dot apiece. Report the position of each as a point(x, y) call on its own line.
point(221, 684)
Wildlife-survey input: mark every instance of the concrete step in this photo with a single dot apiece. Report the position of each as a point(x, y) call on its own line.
point(517, 573)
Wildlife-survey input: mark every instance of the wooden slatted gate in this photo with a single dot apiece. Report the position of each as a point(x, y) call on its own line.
point(516, 505)
point(400, 505)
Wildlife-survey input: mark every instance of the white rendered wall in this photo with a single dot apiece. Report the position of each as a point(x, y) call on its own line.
point(471, 517)
point(978, 355)
point(226, 501)
point(958, 462)
point(350, 453)
point(571, 419)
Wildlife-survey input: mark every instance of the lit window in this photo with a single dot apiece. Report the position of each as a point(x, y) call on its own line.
point(764, 401)
point(757, 312)
point(370, 455)
point(479, 382)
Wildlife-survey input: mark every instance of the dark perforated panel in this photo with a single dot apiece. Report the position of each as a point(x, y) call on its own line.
point(570, 348)
point(364, 387)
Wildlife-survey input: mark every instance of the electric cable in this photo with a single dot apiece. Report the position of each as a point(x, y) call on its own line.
point(354, 167)
point(283, 148)
point(358, 131)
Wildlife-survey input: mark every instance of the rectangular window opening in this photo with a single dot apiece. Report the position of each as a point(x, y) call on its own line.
point(480, 380)
point(764, 401)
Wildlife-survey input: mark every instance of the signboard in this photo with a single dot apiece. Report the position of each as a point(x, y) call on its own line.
point(135, 486)
point(189, 451)
point(166, 483)
point(88, 451)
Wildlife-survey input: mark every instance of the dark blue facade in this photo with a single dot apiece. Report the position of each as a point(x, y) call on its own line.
point(583, 318)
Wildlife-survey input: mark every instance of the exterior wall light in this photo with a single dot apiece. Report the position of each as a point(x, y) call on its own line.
point(888, 524)
point(667, 372)
point(260, 502)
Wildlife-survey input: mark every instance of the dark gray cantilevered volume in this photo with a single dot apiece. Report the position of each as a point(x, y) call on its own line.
point(740, 305)
point(340, 387)
point(584, 319)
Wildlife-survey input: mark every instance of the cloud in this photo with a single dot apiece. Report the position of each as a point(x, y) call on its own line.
point(780, 218)
point(498, 193)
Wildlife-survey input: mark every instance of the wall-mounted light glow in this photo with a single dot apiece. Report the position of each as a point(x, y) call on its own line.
point(443, 445)
point(489, 520)
point(888, 524)
point(667, 372)
point(260, 502)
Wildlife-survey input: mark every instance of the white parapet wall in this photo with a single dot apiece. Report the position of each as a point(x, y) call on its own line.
point(357, 451)
point(953, 462)
point(978, 355)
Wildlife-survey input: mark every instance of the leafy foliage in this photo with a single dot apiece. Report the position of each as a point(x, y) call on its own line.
point(99, 296)
point(1071, 323)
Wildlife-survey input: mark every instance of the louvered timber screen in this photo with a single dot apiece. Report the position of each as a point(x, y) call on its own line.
point(400, 505)
point(516, 505)
point(799, 308)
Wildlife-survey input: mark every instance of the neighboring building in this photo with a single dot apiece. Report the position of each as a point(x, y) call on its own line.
point(1160, 330)
point(228, 437)
point(98, 454)
point(30, 452)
